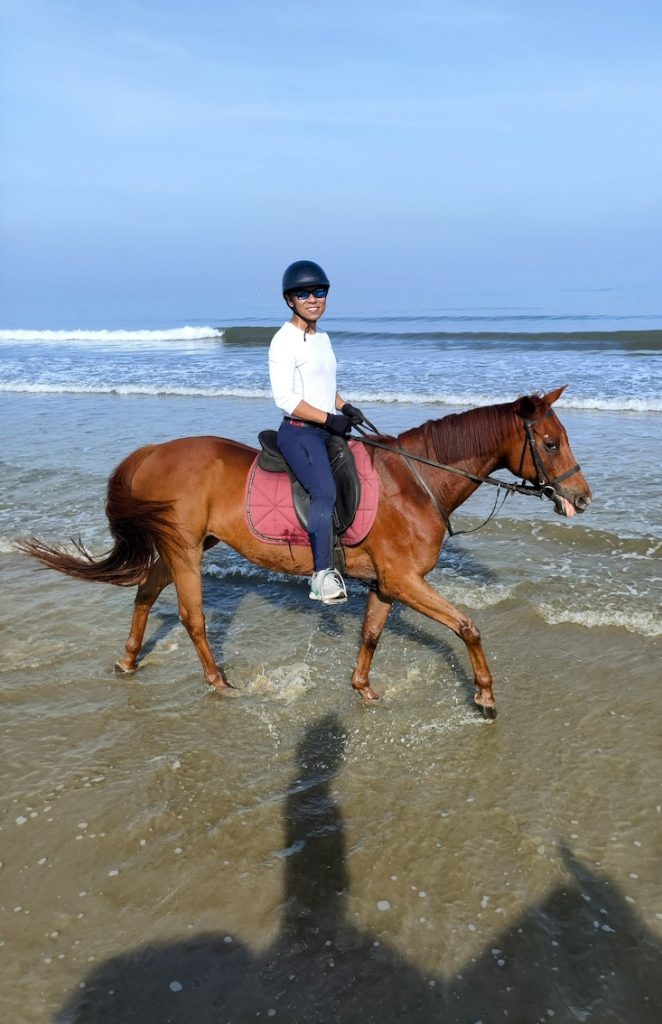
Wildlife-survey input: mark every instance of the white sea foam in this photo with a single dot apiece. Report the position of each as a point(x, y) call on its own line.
point(471, 594)
point(425, 398)
point(643, 623)
point(105, 336)
point(245, 569)
point(131, 389)
point(621, 404)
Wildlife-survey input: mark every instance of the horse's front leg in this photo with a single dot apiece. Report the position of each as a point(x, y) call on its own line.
point(376, 612)
point(154, 582)
point(418, 594)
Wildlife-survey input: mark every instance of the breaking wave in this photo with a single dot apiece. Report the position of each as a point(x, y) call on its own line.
point(106, 336)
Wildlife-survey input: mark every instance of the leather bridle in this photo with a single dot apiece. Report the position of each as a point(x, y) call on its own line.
point(544, 488)
point(546, 485)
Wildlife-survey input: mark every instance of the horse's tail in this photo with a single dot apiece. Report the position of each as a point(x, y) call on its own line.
point(138, 527)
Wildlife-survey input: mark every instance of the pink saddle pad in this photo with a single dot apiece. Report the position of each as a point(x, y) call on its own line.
point(269, 509)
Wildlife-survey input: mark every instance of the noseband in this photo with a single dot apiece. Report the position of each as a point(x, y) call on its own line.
point(546, 484)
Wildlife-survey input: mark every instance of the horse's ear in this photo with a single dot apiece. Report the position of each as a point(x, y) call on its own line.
point(554, 396)
point(526, 407)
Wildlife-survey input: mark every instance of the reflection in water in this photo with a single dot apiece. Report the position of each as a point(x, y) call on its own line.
point(560, 961)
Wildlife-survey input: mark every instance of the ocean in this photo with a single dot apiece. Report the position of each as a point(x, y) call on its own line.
point(445, 360)
point(170, 854)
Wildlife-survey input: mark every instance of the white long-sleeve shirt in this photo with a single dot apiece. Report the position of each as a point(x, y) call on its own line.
point(302, 366)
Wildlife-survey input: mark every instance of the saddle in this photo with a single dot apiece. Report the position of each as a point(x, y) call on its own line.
point(343, 467)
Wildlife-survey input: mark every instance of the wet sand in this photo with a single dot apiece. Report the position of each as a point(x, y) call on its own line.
point(147, 823)
point(172, 855)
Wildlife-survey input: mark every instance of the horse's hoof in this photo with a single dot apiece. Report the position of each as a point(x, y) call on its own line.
point(120, 670)
point(223, 687)
point(488, 713)
point(368, 694)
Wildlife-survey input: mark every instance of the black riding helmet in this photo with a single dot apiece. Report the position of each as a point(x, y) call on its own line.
point(304, 274)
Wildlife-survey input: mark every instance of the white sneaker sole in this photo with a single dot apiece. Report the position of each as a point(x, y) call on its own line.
point(339, 598)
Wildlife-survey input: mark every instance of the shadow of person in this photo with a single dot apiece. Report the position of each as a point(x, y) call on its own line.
point(580, 954)
point(320, 963)
point(316, 880)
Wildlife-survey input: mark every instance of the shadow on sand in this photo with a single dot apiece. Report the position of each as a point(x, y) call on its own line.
point(582, 953)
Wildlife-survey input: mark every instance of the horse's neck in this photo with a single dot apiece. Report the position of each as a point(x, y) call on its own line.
point(453, 489)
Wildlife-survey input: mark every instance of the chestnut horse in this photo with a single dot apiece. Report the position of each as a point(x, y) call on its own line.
point(167, 503)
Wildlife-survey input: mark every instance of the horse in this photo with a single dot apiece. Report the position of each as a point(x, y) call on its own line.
point(168, 503)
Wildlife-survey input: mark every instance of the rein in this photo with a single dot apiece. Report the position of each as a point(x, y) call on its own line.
point(545, 488)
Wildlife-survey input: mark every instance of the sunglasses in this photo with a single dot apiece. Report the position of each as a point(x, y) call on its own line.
point(303, 293)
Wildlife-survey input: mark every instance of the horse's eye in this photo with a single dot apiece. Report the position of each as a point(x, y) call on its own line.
point(551, 446)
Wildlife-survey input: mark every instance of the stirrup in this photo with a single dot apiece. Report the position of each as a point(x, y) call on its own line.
point(328, 586)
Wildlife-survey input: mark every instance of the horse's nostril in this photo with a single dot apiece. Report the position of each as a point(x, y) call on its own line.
point(582, 503)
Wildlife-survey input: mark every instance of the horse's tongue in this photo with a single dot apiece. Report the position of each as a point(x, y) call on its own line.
point(568, 509)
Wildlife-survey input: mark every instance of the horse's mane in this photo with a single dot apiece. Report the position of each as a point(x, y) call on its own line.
point(477, 432)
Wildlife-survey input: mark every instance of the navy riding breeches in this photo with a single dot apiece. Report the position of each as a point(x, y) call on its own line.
point(303, 446)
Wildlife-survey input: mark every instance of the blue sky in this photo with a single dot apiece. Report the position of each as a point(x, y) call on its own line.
point(168, 159)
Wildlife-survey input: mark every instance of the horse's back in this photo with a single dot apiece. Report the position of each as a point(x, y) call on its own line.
point(175, 467)
point(203, 446)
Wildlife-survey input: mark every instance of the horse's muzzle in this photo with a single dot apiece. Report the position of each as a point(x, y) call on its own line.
point(567, 504)
point(582, 502)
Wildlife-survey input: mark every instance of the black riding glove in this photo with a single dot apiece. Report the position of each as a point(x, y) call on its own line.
point(338, 423)
point(354, 414)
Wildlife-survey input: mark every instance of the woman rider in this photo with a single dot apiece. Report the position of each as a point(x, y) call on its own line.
point(302, 369)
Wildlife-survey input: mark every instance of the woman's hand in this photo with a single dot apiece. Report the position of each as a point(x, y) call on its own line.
point(355, 415)
point(338, 423)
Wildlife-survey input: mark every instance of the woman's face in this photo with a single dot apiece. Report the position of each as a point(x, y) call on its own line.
point(309, 308)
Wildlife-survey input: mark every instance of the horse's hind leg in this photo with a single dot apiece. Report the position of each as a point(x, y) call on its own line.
point(156, 579)
point(188, 582)
point(376, 613)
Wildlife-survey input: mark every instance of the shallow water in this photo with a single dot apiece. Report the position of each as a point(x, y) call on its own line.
point(285, 852)
point(287, 849)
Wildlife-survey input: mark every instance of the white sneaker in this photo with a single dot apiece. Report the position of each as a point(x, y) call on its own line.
point(327, 586)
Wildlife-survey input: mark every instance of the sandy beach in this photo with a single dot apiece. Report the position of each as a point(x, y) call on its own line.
point(172, 855)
